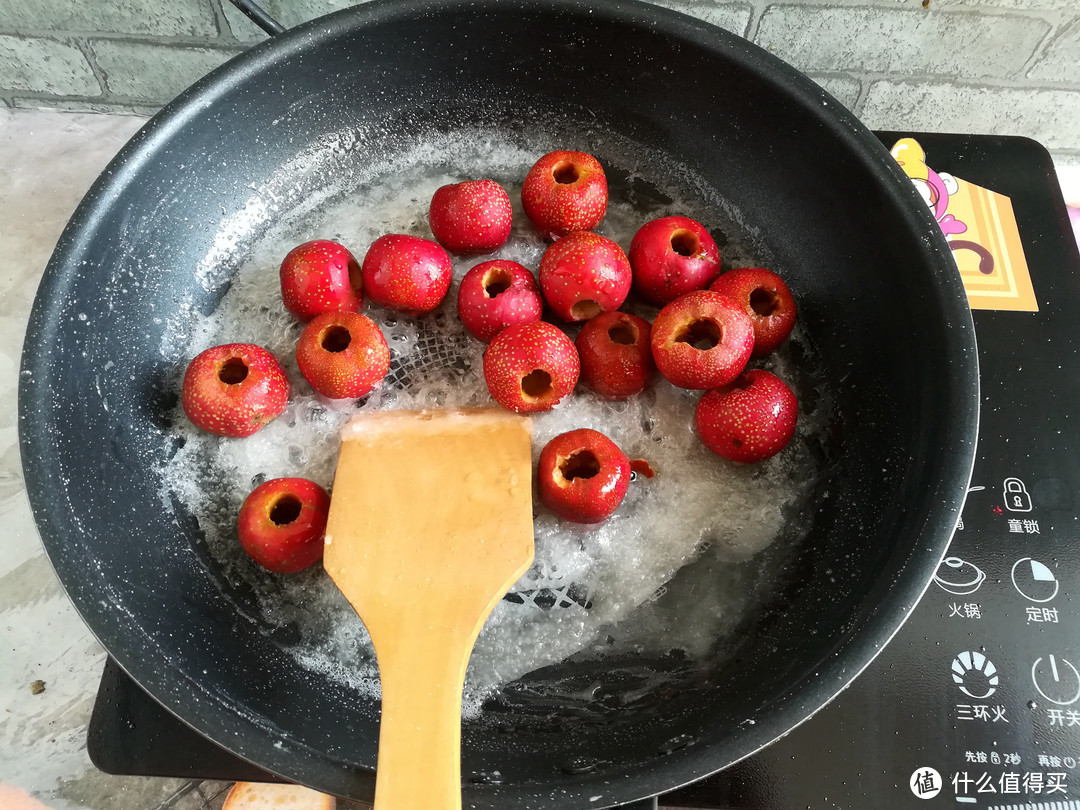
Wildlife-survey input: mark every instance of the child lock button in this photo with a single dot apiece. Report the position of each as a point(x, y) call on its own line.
point(1016, 496)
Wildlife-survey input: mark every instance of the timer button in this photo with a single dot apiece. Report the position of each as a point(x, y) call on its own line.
point(1033, 580)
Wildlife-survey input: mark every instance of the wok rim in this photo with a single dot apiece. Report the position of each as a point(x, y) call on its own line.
point(204, 709)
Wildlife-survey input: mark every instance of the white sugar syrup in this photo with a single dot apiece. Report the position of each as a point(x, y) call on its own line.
point(698, 509)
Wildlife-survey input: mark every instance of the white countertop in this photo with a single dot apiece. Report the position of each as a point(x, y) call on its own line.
point(47, 162)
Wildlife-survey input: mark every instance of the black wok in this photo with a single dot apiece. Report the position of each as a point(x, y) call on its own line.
point(878, 294)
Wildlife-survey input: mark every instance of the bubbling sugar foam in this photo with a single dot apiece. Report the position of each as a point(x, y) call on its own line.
point(602, 580)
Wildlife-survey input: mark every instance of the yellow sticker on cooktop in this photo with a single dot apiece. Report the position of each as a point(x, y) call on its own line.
point(980, 227)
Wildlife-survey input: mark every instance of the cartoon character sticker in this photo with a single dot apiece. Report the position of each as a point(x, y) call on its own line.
point(989, 256)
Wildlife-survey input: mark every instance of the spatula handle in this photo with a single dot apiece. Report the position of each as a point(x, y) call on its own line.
point(423, 672)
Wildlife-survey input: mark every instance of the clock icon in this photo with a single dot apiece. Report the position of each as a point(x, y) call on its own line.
point(1033, 580)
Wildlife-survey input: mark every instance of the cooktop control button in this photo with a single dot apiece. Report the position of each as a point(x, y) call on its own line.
point(1056, 679)
point(1033, 580)
point(958, 576)
point(1016, 495)
point(975, 674)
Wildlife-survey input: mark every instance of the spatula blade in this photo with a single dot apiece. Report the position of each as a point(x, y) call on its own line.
point(430, 524)
point(430, 502)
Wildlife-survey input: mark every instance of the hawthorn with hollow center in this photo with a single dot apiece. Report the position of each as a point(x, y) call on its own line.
point(582, 476)
point(702, 340)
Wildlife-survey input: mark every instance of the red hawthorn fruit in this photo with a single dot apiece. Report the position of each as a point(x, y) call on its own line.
point(342, 354)
point(530, 367)
point(583, 274)
point(565, 191)
point(583, 476)
point(750, 419)
point(282, 523)
point(495, 295)
point(320, 276)
point(672, 256)
point(702, 340)
point(616, 355)
point(471, 217)
point(406, 273)
point(234, 389)
point(765, 297)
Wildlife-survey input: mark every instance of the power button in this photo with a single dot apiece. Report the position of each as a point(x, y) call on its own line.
point(1056, 679)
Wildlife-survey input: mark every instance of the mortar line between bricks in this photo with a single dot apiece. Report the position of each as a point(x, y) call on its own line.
point(110, 98)
point(819, 76)
point(975, 84)
point(1052, 36)
point(1051, 15)
point(102, 105)
point(100, 73)
point(112, 101)
point(180, 793)
point(227, 49)
point(211, 795)
point(860, 101)
point(757, 12)
point(225, 32)
point(95, 68)
point(1040, 49)
point(220, 43)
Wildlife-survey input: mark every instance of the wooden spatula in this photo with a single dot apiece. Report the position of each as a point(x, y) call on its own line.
point(430, 524)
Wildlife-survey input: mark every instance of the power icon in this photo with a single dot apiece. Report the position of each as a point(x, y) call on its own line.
point(1056, 679)
point(1016, 495)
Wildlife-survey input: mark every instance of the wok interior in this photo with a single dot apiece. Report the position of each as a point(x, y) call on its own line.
point(272, 135)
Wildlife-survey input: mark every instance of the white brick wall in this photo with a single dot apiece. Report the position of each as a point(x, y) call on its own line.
point(988, 66)
point(1048, 116)
point(901, 41)
point(1060, 61)
point(734, 17)
point(175, 18)
point(844, 88)
point(49, 65)
point(286, 12)
point(152, 72)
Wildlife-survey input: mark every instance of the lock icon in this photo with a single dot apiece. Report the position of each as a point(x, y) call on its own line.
point(1016, 496)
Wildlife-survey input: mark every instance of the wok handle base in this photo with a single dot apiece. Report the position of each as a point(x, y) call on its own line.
point(258, 15)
